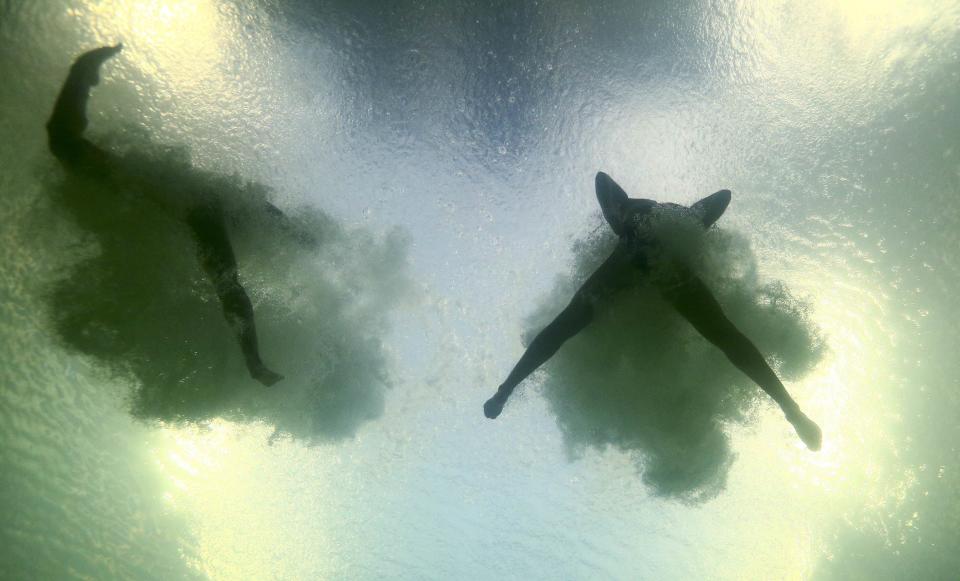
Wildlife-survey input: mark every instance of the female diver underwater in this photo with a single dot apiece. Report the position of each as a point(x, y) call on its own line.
point(201, 211)
point(638, 246)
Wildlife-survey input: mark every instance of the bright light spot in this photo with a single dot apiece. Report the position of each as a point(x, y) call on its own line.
point(194, 454)
point(179, 39)
point(877, 16)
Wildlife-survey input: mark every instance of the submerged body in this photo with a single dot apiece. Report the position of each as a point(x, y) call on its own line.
point(640, 248)
point(201, 211)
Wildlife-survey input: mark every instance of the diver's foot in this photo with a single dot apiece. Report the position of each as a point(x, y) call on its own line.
point(264, 375)
point(87, 65)
point(807, 429)
point(495, 404)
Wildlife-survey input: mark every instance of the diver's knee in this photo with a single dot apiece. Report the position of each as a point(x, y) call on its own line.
point(735, 354)
point(741, 352)
point(63, 146)
point(236, 301)
point(577, 314)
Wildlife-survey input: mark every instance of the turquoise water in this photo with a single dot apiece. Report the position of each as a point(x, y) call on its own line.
point(443, 154)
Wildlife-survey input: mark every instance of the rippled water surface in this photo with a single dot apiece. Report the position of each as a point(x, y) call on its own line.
point(443, 154)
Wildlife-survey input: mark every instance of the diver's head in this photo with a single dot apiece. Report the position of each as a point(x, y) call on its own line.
point(618, 209)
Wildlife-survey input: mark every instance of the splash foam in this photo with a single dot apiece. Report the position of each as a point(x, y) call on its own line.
point(135, 299)
point(642, 380)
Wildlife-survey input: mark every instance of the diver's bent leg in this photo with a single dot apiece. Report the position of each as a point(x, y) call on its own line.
point(571, 321)
point(239, 314)
point(69, 118)
point(216, 257)
point(696, 303)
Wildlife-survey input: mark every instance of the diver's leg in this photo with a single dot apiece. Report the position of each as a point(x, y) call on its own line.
point(239, 313)
point(220, 265)
point(571, 321)
point(696, 303)
point(69, 118)
point(605, 281)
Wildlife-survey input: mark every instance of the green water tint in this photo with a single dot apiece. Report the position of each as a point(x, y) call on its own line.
point(137, 301)
point(641, 379)
point(476, 129)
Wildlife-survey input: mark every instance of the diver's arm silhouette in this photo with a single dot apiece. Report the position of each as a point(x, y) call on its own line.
point(691, 298)
point(65, 133)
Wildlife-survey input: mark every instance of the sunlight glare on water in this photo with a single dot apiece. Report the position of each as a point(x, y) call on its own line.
point(442, 155)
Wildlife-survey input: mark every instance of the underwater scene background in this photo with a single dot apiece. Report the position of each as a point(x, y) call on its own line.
point(441, 157)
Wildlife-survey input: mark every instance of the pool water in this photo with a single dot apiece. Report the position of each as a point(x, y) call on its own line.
point(443, 156)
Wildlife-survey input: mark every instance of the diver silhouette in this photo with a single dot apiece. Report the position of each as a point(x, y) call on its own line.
point(639, 248)
point(203, 214)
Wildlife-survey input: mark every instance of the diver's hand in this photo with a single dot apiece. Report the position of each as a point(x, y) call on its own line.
point(87, 66)
point(495, 404)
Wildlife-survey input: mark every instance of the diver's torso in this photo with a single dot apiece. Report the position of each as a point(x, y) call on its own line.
point(661, 242)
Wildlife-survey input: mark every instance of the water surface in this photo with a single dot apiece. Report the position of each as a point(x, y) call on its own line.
point(446, 151)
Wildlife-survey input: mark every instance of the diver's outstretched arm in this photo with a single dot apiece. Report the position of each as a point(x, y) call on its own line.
point(696, 303)
point(216, 257)
point(69, 119)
